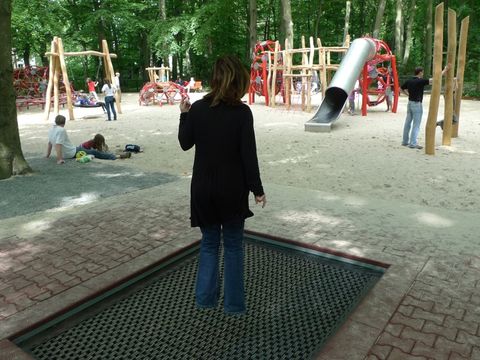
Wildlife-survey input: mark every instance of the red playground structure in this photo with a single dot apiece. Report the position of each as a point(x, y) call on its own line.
point(159, 92)
point(259, 82)
point(379, 78)
point(30, 85)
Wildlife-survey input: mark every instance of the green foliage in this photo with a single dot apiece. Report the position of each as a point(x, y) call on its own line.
point(196, 32)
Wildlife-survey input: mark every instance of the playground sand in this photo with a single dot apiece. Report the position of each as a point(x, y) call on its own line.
point(360, 159)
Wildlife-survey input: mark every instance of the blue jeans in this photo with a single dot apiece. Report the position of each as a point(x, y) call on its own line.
point(414, 114)
point(98, 154)
point(110, 105)
point(207, 287)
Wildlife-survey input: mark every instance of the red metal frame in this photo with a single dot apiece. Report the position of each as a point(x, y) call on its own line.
point(259, 72)
point(383, 55)
point(159, 92)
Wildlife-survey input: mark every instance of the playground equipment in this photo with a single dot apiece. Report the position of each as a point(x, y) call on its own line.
point(58, 74)
point(159, 89)
point(452, 101)
point(360, 62)
point(273, 70)
point(30, 85)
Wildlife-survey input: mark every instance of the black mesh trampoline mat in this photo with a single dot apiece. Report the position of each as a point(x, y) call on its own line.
point(297, 298)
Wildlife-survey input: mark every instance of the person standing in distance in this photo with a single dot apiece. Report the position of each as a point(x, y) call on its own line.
point(225, 171)
point(414, 89)
point(116, 83)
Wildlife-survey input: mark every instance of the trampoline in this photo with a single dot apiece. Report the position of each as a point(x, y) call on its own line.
point(297, 298)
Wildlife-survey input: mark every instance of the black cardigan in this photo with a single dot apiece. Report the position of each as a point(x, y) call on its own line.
point(225, 169)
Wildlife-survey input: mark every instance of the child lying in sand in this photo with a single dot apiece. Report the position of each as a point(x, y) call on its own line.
point(99, 145)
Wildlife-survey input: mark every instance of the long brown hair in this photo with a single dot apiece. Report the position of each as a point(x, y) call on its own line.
point(230, 81)
point(99, 142)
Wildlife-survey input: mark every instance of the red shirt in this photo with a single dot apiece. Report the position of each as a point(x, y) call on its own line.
point(91, 86)
point(89, 145)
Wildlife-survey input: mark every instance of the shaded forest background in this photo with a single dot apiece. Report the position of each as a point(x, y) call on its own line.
point(193, 33)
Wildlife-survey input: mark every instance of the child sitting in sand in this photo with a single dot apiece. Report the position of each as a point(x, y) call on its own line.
point(98, 143)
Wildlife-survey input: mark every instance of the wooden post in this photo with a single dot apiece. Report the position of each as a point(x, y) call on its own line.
point(56, 79)
point(274, 75)
point(48, 94)
point(109, 73)
point(451, 53)
point(323, 71)
point(286, 78)
point(66, 82)
point(437, 83)
point(462, 51)
point(303, 72)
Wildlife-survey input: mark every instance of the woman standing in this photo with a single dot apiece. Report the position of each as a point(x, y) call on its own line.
point(225, 170)
point(109, 90)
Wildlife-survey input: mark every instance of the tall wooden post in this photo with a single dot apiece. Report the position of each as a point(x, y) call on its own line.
point(462, 51)
point(51, 70)
point(66, 82)
point(437, 83)
point(287, 80)
point(451, 53)
point(109, 73)
point(273, 85)
point(56, 80)
point(323, 71)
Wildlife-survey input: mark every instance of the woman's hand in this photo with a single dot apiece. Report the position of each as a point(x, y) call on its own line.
point(185, 105)
point(261, 199)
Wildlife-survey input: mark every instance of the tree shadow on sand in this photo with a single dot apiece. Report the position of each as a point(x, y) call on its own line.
point(65, 186)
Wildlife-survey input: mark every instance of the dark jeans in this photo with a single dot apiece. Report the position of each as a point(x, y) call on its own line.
point(207, 288)
point(98, 154)
point(110, 105)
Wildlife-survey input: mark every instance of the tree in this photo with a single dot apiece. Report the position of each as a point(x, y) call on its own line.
point(379, 18)
point(428, 40)
point(12, 161)
point(253, 25)
point(398, 29)
point(347, 21)
point(408, 39)
point(286, 25)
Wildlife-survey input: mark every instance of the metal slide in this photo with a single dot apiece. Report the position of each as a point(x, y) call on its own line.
point(361, 51)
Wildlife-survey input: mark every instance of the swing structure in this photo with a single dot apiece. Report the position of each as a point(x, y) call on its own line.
point(58, 68)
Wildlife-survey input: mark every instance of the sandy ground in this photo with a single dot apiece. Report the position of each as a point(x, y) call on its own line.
point(361, 156)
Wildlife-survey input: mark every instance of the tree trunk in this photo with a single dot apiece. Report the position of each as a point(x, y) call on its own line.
point(12, 161)
point(379, 18)
point(252, 26)
point(398, 30)
point(162, 10)
point(26, 55)
point(316, 28)
point(347, 20)
point(408, 40)
point(144, 55)
point(286, 26)
point(428, 41)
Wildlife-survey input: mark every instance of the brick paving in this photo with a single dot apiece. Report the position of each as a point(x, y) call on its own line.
point(427, 305)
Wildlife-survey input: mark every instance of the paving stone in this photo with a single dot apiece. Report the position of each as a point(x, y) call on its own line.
point(398, 318)
point(406, 310)
point(475, 353)
point(425, 305)
point(397, 354)
point(427, 315)
point(380, 352)
point(432, 328)
point(394, 329)
point(405, 345)
point(445, 345)
point(468, 326)
point(7, 309)
point(420, 349)
point(464, 337)
point(418, 336)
